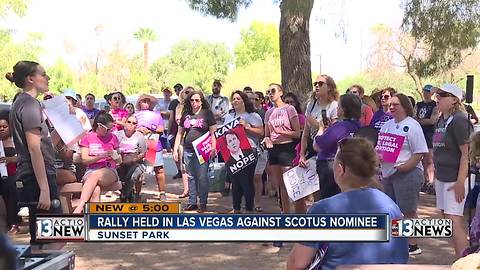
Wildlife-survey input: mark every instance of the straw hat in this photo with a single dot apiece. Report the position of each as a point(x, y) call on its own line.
point(151, 100)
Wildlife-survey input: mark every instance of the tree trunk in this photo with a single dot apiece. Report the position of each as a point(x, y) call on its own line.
point(418, 83)
point(145, 55)
point(295, 47)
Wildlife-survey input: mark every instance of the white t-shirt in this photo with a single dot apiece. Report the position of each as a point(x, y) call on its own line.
point(83, 118)
point(316, 112)
point(414, 142)
point(253, 119)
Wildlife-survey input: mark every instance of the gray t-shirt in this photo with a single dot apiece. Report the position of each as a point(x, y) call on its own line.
point(134, 144)
point(26, 114)
point(449, 134)
point(253, 119)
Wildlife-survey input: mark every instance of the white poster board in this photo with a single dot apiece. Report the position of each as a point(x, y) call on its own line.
point(66, 124)
point(3, 167)
point(301, 182)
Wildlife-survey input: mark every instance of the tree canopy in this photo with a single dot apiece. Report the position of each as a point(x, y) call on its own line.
point(257, 42)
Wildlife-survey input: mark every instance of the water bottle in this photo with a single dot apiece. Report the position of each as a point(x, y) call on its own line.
point(211, 171)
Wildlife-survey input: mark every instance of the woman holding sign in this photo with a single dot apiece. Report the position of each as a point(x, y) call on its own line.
point(150, 123)
point(450, 158)
point(282, 129)
point(33, 143)
point(242, 181)
point(197, 119)
point(401, 147)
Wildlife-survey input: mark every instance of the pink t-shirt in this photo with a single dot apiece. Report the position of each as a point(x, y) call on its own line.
point(98, 145)
point(278, 119)
point(118, 114)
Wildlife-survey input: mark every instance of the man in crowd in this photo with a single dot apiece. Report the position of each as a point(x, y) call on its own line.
point(218, 104)
point(89, 108)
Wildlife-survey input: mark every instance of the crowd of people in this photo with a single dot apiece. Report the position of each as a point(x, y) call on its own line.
point(338, 132)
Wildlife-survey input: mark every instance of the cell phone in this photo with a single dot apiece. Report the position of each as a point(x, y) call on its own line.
point(324, 117)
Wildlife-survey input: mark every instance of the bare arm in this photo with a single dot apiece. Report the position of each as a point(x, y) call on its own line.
point(411, 163)
point(304, 140)
point(300, 257)
point(213, 140)
point(33, 138)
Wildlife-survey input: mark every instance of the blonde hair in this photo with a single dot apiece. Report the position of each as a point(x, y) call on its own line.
point(370, 102)
point(475, 147)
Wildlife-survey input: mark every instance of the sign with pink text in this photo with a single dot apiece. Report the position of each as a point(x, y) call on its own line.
point(389, 146)
point(203, 147)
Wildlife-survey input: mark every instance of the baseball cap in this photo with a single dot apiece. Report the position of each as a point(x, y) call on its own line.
point(167, 89)
point(427, 88)
point(452, 89)
point(70, 93)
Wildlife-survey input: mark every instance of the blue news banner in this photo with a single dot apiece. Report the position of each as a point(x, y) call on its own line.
point(268, 227)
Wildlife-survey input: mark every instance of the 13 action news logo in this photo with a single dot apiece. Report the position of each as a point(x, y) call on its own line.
point(422, 228)
point(60, 228)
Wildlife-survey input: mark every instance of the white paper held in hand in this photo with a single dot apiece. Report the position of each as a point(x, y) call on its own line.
point(67, 125)
point(301, 182)
point(3, 166)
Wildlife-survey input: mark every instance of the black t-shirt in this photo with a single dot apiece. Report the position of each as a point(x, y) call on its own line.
point(196, 125)
point(173, 107)
point(424, 111)
point(26, 114)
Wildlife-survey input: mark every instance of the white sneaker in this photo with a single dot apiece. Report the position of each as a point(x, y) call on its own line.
point(23, 212)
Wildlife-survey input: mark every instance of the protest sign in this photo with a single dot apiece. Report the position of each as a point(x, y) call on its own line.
point(152, 143)
point(65, 123)
point(389, 146)
point(233, 144)
point(203, 147)
point(148, 119)
point(301, 182)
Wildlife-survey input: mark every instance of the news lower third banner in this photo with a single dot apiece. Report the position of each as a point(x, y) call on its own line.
point(164, 222)
point(268, 227)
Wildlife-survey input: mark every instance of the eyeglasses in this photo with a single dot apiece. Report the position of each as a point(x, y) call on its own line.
point(131, 122)
point(105, 127)
point(319, 83)
point(385, 96)
point(195, 100)
point(444, 94)
point(272, 91)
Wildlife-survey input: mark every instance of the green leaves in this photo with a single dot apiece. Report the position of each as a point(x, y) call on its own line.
point(446, 28)
point(145, 35)
point(222, 9)
point(259, 41)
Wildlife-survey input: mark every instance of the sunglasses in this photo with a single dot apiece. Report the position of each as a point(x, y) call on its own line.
point(319, 83)
point(444, 94)
point(131, 122)
point(72, 100)
point(115, 98)
point(385, 97)
point(105, 127)
point(272, 91)
point(195, 100)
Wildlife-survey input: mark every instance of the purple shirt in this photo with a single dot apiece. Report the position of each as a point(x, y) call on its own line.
point(327, 142)
point(379, 118)
point(90, 113)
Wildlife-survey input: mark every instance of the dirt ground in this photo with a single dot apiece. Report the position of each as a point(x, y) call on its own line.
point(235, 256)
